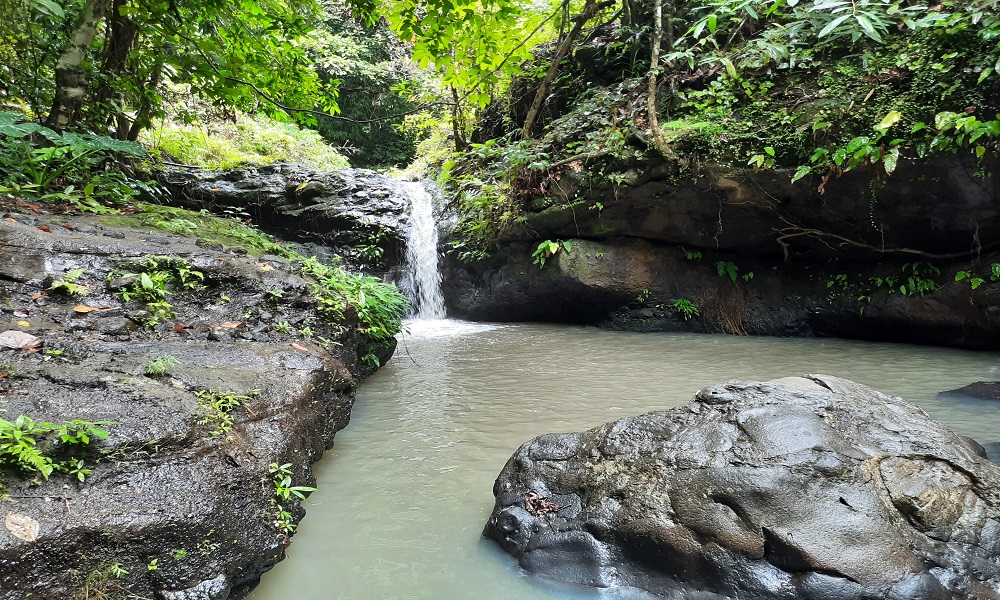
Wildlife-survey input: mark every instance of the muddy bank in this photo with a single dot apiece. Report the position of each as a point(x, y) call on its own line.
point(188, 491)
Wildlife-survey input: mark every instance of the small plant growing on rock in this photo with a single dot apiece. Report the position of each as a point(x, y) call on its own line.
point(685, 308)
point(151, 282)
point(161, 366)
point(216, 407)
point(68, 284)
point(547, 250)
point(28, 445)
point(281, 479)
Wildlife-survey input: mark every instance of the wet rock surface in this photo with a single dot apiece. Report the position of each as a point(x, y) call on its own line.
point(811, 488)
point(172, 509)
point(630, 284)
point(341, 209)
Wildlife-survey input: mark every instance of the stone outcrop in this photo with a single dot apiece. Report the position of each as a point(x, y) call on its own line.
point(863, 260)
point(631, 284)
point(812, 488)
point(342, 210)
point(172, 508)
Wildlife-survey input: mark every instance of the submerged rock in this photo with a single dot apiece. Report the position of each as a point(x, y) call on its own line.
point(182, 500)
point(981, 390)
point(813, 488)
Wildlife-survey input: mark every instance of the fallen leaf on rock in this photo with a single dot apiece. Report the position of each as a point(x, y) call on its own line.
point(21, 527)
point(24, 324)
point(232, 324)
point(83, 309)
point(68, 226)
point(12, 220)
point(20, 313)
point(37, 296)
point(44, 228)
point(179, 327)
point(298, 347)
point(264, 266)
point(18, 340)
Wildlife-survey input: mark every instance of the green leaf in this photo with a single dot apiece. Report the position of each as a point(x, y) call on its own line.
point(833, 25)
point(890, 119)
point(889, 162)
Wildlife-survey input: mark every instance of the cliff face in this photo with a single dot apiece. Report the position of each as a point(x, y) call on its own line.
point(187, 497)
point(755, 254)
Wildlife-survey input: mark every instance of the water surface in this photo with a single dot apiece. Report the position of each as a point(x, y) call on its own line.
point(405, 492)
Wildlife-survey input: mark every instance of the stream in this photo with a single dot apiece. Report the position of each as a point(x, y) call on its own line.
point(405, 492)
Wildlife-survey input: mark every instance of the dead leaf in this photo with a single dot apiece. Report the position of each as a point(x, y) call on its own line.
point(299, 348)
point(37, 296)
point(83, 309)
point(21, 527)
point(23, 324)
point(68, 226)
point(44, 228)
point(11, 220)
point(18, 340)
point(20, 313)
point(232, 324)
point(264, 266)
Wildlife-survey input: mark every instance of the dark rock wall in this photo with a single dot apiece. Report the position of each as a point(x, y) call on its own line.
point(807, 264)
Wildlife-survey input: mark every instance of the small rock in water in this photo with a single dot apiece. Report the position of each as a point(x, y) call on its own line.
point(981, 390)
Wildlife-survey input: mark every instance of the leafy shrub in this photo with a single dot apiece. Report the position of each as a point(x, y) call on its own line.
point(253, 140)
point(83, 169)
point(28, 445)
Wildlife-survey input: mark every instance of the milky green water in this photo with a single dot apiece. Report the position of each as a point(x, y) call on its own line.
point(405, 492)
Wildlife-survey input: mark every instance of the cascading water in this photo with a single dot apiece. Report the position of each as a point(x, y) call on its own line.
point(421, 278)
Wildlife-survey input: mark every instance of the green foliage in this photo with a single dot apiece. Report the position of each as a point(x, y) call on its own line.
point(161, 366)
point(727, 269)
point(217, 406)
point(68, 284)
point(378, 85)
point(41, 164)
point(281, 480)
point(238, 55)
point(251, 140)
point(913, 278)
point(379, 306)
point(685, 308)
point(152, 280)
point(547, 250)
point(30, 446)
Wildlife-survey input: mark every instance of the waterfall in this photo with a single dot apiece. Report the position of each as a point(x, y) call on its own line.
point(421, 276)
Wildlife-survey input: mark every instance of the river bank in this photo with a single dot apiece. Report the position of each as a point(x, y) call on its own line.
point(216, 381)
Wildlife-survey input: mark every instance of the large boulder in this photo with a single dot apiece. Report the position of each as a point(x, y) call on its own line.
point(812, 488)
point(344, 209)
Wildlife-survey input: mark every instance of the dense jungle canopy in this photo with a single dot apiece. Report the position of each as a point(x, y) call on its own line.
point(522, 90)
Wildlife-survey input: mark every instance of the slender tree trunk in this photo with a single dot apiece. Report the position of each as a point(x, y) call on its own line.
point(590, 10)
point(654, 73)
point(457, 124)
point(71, 82)
point(122, 36)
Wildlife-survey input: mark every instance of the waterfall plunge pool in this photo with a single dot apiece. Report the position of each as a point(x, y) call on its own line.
point(405, 492)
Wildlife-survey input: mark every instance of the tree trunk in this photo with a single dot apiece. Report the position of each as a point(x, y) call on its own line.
point(71, 82)
point(654, 73)
point(590, 10)
point(457, 123)
point(122, 36)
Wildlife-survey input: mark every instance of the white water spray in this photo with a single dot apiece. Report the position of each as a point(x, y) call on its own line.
point(421, 277)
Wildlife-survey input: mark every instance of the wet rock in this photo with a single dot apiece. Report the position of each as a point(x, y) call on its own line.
point(341, 209)
point(632, 284)
point(167, 492)
point(981, 390)
point(807, 488)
